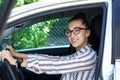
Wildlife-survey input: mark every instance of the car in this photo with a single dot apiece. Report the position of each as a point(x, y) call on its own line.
point(39, 28)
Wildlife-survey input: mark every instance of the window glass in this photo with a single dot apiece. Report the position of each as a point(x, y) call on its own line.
point(1, 9)
point(0, 2)
point(42, 34)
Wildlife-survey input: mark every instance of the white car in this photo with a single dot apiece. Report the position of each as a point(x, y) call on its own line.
point(46, 21)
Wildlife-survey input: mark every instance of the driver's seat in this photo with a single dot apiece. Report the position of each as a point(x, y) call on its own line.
point(96, 27)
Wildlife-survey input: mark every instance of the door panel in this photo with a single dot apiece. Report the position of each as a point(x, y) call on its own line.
point(55, 51)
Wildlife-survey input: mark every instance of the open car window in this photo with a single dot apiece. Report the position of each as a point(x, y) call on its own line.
point(49, 33)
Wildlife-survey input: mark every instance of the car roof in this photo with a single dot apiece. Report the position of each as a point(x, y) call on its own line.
point(45, 5)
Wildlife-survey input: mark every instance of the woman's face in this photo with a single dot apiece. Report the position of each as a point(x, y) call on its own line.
point(79, 40)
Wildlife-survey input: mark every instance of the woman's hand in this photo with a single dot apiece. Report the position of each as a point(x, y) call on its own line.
point(6, 55)
point(15, 54)
point(12, 50)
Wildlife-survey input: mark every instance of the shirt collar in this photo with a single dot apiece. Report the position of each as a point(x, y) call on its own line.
point(84, 49)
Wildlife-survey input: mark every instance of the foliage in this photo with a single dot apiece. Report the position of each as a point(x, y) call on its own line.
point(24, 2)
point(0, 2)
point(32, 36)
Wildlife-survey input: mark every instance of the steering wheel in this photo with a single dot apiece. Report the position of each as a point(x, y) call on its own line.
point(6, 71)
point(10, 72)
point(9, 69)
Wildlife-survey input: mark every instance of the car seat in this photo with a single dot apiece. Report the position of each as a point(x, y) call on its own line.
point(96, 27)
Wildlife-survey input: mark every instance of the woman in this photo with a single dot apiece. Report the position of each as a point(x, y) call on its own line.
point(78, 66)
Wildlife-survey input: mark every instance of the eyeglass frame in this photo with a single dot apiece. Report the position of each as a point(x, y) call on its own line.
point(72, 31)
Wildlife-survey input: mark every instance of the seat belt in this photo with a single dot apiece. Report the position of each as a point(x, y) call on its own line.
point(18, 68)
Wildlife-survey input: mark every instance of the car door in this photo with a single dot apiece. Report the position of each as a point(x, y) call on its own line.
point(39, 28)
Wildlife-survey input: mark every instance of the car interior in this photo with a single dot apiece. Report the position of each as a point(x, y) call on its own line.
point(95, 17)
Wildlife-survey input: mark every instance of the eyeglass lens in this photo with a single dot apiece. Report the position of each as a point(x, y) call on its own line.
point(76, 31)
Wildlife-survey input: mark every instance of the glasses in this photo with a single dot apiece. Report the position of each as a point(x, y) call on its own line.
point(76, 31)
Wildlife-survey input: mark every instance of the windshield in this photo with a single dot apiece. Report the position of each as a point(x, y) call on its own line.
point(0, 2)
point(5, 8)
point(1, 13)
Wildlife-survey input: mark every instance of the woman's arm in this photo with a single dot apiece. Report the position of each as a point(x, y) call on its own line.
point(40, 63)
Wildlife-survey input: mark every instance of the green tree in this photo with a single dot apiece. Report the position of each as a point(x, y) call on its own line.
point(24, 2)
point(32, 36)
point(0, 2)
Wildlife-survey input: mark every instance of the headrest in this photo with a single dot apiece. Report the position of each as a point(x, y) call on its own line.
point(96, 26)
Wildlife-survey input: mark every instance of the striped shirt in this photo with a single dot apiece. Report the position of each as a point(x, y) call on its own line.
point(78, 66)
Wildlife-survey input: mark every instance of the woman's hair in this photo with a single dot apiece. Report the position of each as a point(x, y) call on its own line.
point(80, 16)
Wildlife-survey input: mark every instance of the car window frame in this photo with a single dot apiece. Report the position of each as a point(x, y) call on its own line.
point(21, 25)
